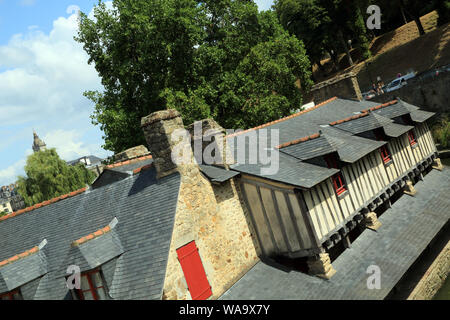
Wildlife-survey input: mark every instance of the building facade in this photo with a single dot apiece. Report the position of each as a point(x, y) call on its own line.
point(38, 144)
point(154, 227)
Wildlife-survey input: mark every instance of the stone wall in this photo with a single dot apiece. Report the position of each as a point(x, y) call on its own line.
point(434, 277)
point(214, 216)
point(131, 153)
point(344, 86)
point(431, 94)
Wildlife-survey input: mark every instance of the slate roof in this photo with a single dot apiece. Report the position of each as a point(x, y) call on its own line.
point(216, 174)
point(407, 228)
point(131, 165)
point(339, 120)
point(93, 160)
point(369, 122)
point(417, 115)
point(121, 170)
point(310, 149)
point(136, 249)
point(351, 148)
point(395, 130)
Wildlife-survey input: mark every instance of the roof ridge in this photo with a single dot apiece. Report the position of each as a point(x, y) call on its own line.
point(44, 203)
point(92, 235)
point(358, 116)
point(143, 168)
point(283, 119)
point(129, 161)
point(389, 103)
point(297, 141)
point(364, 113)
point(19, 256)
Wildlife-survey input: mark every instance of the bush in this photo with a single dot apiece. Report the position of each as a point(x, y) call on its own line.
point(441, 132)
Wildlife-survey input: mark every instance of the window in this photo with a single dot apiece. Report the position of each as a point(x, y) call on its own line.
point(13, 295)
point(338, 183)
point(385, 155)
point(92, 287)
point(194, 272)
point(338, 179)
point(412, 138)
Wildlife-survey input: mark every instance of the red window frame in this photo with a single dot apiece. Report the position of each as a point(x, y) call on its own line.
point(385, 154)
point(92, 288)
point(338, 179)
point(10, 295)
point(194, 272)
point(412, 138)
point(338, 183)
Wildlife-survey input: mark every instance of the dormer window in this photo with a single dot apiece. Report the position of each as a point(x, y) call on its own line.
point(12, 295)
point(384, 151)
point(92, 286)
point(337, 179)
point(412, 138)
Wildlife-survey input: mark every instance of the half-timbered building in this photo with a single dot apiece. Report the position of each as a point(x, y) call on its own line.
point(155, 228)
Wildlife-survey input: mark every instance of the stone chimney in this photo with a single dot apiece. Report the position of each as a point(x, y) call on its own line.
point(169, 143)
point(208, 139)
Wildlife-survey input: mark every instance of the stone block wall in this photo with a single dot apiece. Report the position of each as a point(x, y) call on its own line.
point(431, 94)
point(344, 86)
point(213, 216)
point(216, 219)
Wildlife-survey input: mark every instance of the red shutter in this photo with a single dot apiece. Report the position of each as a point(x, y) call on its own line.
point(194, 272)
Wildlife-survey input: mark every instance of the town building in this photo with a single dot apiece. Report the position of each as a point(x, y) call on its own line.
point(38, 144)
point(156, 228)
point(5, 207)
point(10, 194)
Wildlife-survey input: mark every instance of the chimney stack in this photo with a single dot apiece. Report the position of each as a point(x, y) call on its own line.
point(209, 143)
point(166, 142)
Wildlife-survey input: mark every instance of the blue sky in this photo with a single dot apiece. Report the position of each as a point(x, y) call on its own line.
point(43, 74)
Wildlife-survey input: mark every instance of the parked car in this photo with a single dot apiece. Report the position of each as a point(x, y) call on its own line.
point(368, 95)
point(399, 82)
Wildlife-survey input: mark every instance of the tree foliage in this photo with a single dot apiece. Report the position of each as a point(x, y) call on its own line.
point(217, 58)
point(48, 177)
point(443, 9)
point(326, 25)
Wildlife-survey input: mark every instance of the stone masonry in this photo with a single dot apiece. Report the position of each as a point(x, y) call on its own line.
point(212, 216)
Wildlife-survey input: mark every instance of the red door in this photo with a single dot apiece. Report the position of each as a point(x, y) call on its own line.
point(194, 272)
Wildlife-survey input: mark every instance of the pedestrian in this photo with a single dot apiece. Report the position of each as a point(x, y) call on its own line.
point(380, 89)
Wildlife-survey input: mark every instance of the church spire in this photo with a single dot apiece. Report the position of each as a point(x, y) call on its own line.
point(38, 144)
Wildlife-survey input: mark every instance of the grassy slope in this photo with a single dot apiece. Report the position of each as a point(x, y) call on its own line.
point(399, 51)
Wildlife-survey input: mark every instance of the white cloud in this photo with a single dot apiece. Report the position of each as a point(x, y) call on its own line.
point(68, 144)
point(73, 9)
point(42, 80)
point(46, 75)
point(9, 175)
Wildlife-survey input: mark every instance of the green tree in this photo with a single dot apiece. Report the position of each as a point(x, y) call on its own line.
point(443, 9)
point(308, 21)
point(192, 56)
point(326, 26)
point(48, 176)
point(2, 213)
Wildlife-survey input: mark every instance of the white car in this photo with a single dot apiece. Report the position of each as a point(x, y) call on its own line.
point(399, 82)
